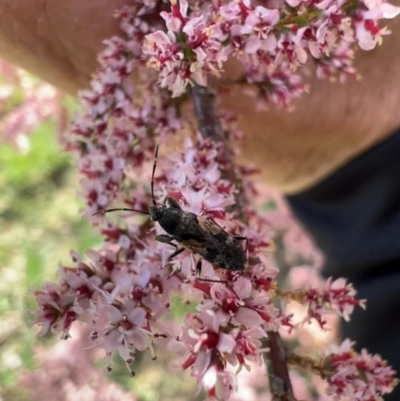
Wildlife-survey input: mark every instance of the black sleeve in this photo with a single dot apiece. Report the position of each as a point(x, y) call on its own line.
point(354, 217)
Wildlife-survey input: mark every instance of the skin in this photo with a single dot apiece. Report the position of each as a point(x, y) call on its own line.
point(58, 40)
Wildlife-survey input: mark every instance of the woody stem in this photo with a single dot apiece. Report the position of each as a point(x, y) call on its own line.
point(210, 128)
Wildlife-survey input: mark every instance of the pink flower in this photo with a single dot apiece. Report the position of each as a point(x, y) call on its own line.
point(358, 376)
point(219, 383)
point(56, 309)
point(258, 25)
point(126, 333)
point(336, 296)
point(203, 339)
point(178, 15)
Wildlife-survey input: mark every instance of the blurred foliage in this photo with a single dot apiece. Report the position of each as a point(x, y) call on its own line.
point(40, 222)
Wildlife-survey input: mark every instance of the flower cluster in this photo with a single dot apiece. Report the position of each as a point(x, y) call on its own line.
point(67, 371)
point(25, 102)
point(113, 131)
point(121, 301)
point(271, 43)
point(360, 376)
point(125, 290)
point(336, 296)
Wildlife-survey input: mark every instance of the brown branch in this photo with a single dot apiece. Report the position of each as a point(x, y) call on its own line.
point(276, 361)
point(307, 364)
point(210, 128)
point(204, 108)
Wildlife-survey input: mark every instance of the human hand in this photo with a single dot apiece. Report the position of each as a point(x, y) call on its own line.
point(58, 40)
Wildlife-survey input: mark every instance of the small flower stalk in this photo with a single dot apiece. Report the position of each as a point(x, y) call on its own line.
point(124, 290)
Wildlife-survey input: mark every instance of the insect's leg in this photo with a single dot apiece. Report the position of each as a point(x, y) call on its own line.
point(176, 253)
point(242, 239)
point(213, 221)
point(209, 280)
point(198, 269)
point(166, 239)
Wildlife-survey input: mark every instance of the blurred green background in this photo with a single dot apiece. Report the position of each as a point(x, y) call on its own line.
point(40, 223)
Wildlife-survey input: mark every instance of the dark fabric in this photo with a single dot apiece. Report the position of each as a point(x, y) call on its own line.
point(354, 217)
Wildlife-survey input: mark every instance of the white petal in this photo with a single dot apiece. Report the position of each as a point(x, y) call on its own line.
point(269, 43)
point(252, 45)
point(113, 314)
point(201, 364)
point(137, 316)
point(293, 3)
point(210, 378)
point(226, 343)
point(248, 317)
point(138, 339)
point(389, 11)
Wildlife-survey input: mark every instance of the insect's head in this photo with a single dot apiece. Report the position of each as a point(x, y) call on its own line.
point(156, 212)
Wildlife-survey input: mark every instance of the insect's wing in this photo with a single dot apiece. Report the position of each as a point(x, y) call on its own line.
point(202, 238)
point(212, 231)
point(224, 250)
point(197, 246)
point(214, 241)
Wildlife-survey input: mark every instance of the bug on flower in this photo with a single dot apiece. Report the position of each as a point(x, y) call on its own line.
point(200, 235)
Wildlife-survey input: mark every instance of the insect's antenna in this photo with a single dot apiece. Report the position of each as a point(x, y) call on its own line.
point(124, 209)
point(152, 175)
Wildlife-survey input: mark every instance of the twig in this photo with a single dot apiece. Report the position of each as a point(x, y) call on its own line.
point(210, 128)
point(204, 108)
point(276, 361)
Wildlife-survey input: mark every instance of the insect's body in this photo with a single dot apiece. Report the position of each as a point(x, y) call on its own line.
point(197, 234)
point(216, 246)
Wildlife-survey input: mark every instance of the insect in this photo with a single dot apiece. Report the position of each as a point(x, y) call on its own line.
point(200, 235)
